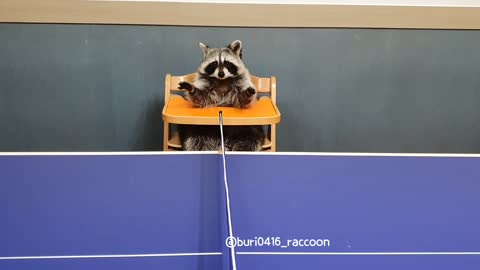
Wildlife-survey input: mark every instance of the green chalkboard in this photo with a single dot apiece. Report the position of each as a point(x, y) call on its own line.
point(100, 87)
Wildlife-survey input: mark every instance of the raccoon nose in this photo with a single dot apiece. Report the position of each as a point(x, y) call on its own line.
point(221, 74)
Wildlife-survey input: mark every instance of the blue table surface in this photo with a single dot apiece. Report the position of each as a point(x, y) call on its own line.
point(362, 212)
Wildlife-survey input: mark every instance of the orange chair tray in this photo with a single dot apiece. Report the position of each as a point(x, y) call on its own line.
point(180, 111)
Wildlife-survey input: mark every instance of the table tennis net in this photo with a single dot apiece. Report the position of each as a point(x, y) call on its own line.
point(227, 194)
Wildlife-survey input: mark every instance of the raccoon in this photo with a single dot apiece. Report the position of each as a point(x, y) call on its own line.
point(222, 80)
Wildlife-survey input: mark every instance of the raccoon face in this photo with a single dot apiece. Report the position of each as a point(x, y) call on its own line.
point(222, 63)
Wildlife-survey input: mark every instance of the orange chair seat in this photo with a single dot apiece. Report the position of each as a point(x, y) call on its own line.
point(180, 111)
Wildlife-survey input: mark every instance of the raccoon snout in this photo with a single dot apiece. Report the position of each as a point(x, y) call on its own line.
point(221, 74)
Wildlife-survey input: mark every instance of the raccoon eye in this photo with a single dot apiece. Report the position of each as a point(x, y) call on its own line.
point(210, 68)
point(231, 67)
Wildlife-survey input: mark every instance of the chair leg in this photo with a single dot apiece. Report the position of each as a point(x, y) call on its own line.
point(273, 137)
point(166, 136)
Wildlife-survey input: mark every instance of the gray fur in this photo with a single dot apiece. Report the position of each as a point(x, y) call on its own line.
point(228, 85)
point(234, 92)
point(207, 138)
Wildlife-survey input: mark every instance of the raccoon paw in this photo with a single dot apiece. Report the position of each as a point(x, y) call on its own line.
point(186, 86)
point(251, 91)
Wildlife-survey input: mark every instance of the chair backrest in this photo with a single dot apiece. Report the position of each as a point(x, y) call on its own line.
point(262, 84)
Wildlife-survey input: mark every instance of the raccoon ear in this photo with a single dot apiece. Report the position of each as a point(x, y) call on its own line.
point(204, 48)
point(236, 47)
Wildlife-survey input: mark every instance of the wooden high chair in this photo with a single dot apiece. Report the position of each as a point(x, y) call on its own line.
point(177, 111)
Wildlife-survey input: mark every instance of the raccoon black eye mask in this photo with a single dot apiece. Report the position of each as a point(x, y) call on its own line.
point(211, 67)
point(222, 79)
point(231, 67)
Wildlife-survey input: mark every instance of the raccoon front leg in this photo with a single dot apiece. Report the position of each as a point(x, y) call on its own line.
point(246, 96)
point(194, 94)
point(190, 88)
point(200, 98)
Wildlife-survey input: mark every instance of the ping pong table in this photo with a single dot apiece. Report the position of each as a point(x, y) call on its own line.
point(166, 210)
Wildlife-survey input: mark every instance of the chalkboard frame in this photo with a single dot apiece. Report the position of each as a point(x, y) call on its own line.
point(239, 15)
